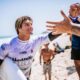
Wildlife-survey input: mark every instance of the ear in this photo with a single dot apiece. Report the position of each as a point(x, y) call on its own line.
point(19, 29)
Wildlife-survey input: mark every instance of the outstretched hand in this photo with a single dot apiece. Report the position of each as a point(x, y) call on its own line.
point(63, 26)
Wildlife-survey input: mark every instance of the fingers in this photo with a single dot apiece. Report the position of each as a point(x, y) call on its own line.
point(49, 26)
point(53, 29)
point(50, 22)
point(56, 33)
point(63, 14)
point(65, 17)
point(60, 22)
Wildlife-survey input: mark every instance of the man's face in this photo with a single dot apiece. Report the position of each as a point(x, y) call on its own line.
point(73, 11)
point(26, 27)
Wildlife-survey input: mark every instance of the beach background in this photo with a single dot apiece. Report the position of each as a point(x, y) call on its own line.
point(62, 66)
point(40, 11)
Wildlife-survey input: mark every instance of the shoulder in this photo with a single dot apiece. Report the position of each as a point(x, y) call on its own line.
point(43, 50)
point(4, 46)
point(13, 40)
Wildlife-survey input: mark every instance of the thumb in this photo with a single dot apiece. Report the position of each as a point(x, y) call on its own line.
point(65, 17)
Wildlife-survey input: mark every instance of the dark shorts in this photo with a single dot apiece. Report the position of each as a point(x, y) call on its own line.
point(75, 54)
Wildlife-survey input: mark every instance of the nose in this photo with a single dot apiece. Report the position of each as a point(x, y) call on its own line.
point(31, 28)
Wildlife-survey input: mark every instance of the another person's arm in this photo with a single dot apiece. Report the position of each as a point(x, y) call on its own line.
point(65, 26)
point(75, 29)
point(53, 55)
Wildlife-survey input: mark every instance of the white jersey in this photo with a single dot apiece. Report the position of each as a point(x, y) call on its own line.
point(22, 52)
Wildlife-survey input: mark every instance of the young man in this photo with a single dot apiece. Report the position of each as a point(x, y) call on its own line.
point(47, 55)
point(75, 53)
point(69, 26)
point(22, 48)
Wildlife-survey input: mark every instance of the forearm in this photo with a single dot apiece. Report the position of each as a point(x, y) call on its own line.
point(52, 57)
point(1, 61)
point(75, 29)
point(52, 37)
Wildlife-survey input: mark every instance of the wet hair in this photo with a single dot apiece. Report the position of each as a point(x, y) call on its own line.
point(20, 20)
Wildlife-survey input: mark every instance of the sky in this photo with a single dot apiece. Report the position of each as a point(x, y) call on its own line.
point(39, 10)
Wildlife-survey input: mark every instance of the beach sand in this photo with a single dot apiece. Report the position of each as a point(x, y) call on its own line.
point(62, 68)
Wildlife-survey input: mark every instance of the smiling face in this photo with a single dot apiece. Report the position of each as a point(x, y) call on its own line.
point(26, 28)
point(23, 26)
point(23, 21)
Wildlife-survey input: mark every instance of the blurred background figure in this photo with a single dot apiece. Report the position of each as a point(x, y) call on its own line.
point(47, 55)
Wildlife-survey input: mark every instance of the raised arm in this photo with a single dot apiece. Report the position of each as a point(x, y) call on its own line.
point(65, 26)
point(53, 54)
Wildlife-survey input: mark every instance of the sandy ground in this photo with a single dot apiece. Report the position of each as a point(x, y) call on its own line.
point(62, 68)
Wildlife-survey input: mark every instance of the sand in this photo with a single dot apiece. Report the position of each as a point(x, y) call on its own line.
point(62, 68)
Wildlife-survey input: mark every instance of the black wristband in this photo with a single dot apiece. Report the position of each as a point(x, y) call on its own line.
point(1, 61)
point(52, 37)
